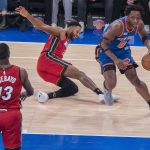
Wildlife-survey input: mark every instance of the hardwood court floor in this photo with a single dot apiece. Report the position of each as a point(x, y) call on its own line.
point(82, 113)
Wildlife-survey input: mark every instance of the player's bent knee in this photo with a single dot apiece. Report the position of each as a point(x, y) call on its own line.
point(72, 90)
point(69, 87)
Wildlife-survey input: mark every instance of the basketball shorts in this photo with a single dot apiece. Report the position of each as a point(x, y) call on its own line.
point(10, 126)
point(105, 61)
point(51, 69)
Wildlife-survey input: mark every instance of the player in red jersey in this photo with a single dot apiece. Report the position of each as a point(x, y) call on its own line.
point(12, 78)
point(50, 65)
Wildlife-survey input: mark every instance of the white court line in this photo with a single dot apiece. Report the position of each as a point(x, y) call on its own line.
point(75, 59)
point(45, 42)
point(35, 58)
point(98, 135)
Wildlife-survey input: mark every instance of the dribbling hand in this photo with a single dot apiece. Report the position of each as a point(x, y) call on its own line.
point(120, 64)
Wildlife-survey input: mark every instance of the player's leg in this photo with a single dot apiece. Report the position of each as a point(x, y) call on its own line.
point(139, 85)
point(55, 74)
point(11, 134)
point(131, 75)
point(75, 73)
point(68, 88)
point(109, 73)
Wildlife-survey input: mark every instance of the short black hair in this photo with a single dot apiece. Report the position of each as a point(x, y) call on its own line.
point(4, 51)
point(130, 8)
point(73, 23)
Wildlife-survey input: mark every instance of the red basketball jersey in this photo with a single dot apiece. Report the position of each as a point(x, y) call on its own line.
point(10, 87)
point(55, 46)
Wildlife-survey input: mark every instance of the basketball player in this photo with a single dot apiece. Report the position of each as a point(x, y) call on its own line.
point(50, 65)
point(12, 78)
point(114, 50)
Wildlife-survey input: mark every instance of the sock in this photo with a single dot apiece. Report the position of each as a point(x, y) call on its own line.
point(98, 91)
point(56, 94)
point(51, 95)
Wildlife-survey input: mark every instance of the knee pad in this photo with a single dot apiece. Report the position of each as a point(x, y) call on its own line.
point(69, 88)
point(109, 67)
point(135, 65)
point(128, 68)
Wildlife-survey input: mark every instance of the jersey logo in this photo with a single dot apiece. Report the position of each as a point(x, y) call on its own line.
point(123, 42)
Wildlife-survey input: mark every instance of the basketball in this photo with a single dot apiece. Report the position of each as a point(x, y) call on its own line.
point(146, 61)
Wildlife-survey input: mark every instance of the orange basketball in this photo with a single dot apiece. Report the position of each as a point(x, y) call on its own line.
point(146, 61)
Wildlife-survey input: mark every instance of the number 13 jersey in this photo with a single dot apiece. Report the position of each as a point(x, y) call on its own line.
point(10, 87)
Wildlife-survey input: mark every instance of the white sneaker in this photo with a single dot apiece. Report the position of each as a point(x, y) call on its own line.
point(42, 97)
point(114, 97)
point(107, 97)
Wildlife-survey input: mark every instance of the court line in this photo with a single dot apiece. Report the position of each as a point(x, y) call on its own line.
point(75, 59)
point(103, 135)
point(69, 43)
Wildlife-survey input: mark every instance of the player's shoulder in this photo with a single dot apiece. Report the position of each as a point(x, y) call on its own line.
point(22, 70)
point(116, 28)
point(117, 25)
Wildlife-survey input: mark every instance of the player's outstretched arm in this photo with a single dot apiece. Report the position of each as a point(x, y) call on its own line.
point(26, 84)
point(38, 23)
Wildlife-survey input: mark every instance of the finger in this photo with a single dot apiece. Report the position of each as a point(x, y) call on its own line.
point(17, 9)
point(20, 7)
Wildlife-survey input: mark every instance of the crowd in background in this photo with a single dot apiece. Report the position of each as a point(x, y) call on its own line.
point(60, 12)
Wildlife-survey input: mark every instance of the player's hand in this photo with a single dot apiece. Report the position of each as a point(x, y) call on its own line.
point(23, 96)
point(120, 64)
point(130, 2)
point(22, 11)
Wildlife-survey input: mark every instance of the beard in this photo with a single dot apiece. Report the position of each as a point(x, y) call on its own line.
point(71, 36)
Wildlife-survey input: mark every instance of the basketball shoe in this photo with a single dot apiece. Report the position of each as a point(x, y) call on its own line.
point(42, 97)
point(108, 98)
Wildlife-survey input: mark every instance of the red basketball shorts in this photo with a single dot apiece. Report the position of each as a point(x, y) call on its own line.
point(51, 68)
point(10, 126)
